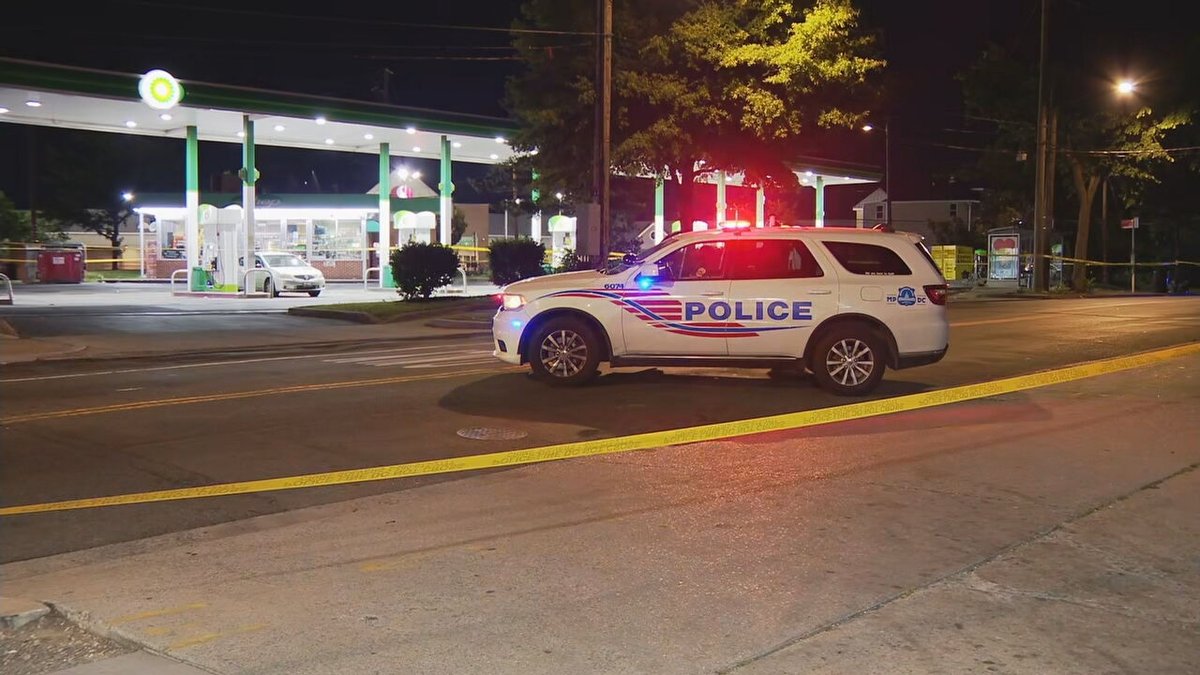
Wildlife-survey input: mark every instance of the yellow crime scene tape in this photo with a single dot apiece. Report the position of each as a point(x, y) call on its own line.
point(644, 441)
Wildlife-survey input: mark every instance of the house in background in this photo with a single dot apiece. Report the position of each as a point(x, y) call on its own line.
point(915, 215)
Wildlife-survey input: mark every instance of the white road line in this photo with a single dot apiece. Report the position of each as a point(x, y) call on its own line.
point(207, 364)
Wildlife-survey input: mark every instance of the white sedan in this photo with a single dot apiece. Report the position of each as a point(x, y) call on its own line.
point(289, 273)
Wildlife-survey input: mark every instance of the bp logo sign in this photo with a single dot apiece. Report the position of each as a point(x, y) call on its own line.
point(907, 296)
point(160, 90)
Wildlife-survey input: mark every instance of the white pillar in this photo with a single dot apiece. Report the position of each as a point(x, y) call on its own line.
point(720, 199)
point(385, 216)
point(659, 211)
point(191, 226)
point(819, 215)
point(446, 188)
point(248, 190)
point(760, 207)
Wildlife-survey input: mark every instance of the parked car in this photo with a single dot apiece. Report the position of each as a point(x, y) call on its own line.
point(288, 273)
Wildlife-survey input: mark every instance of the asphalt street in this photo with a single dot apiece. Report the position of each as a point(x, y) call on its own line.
point(1050, 530)
point(280, 415)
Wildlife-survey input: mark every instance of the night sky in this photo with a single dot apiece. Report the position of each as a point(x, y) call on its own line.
point(343, 48)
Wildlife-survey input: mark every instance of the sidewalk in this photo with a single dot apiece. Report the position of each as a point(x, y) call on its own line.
point(1029, 533)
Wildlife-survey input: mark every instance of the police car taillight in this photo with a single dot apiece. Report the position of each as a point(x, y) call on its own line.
point(937, 293)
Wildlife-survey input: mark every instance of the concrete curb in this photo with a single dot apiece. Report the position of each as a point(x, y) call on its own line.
point(85, 621)
point(17, 612)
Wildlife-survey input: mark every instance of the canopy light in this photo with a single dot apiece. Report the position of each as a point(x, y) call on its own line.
point(130, 123)
point(320, 120)
point(411, 130)
point(279, 127)
point(160, 90)
point(368, 136)
point(456, 144)
point(166, 117)
point(328, 141)
point(33, 103)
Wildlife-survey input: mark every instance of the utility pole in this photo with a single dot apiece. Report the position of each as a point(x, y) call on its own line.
point(1039, 195)
point(602, 181)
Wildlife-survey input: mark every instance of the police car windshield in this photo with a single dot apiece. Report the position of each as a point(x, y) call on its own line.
point(630, 261)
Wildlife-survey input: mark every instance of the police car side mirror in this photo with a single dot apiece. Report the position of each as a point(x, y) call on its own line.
point(650, 274)
point(655, 271)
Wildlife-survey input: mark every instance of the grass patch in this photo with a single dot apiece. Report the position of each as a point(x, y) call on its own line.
point(385, 311)
point(101, 275)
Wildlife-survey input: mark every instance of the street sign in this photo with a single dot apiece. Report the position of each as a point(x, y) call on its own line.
point(1130, 224)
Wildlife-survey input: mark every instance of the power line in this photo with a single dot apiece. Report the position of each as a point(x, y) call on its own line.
point(354, 20)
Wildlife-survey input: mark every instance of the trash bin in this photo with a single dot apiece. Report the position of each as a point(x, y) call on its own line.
point(199, 280)
point(60, 266)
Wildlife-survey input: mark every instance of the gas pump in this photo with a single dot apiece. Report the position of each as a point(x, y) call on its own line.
point(562, 237)
point(220, 236)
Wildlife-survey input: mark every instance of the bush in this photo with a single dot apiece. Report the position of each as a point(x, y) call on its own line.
point(515, 259)
point(419, 268)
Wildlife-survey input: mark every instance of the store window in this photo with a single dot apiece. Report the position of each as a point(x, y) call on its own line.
point(295, 237)
point(172, 240)
point(337, 240)
point(267, 235)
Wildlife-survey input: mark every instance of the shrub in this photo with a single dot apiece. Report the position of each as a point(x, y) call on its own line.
point(515, 259)
point(419, 268)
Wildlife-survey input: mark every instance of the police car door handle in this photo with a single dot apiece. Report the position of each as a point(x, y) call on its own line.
point(714, 294)
point(820, 291)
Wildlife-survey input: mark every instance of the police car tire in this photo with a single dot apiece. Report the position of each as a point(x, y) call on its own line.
point(571, 333)
point(833, 349)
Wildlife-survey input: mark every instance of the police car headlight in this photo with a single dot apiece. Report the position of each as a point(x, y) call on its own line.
point(512, 301)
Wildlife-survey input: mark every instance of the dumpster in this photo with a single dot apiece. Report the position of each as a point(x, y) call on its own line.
point(60, 266)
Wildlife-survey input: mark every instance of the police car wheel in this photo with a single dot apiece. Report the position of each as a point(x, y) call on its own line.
point(564, 351)
point(848, 361)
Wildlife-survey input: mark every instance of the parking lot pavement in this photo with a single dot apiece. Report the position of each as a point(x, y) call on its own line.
point(130, 320)
point(1051, 530)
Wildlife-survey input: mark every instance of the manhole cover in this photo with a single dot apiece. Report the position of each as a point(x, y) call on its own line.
point(491, 434)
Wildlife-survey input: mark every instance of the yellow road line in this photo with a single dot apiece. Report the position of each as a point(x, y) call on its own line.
point(153, 614)
point(645, 441)
point(209, 637)
point(234, 395)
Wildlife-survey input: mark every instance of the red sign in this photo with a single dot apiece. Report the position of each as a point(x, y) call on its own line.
point(1130, 224)
point(1004, 245)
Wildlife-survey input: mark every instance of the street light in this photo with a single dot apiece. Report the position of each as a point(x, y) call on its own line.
point(887, 168)
point(1126, 87)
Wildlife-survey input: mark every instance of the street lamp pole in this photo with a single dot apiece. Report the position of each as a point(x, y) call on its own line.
point(887, 171)
point(1039, 192)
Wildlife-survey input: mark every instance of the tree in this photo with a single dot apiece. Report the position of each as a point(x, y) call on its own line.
point(458, 226)
point(698, 86)
point(1096, 139)
point(1112, 144)
point(14, 225)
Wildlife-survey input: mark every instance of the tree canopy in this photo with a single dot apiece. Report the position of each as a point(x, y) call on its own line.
point(698, 84)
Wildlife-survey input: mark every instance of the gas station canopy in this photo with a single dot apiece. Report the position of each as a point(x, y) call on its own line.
point(96, 100)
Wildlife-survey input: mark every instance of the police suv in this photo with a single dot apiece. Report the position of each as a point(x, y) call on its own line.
point(843, 303)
